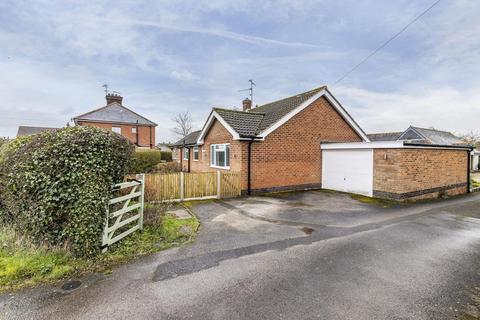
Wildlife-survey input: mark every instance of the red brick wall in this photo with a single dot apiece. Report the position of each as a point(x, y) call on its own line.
point(400, 171)
point(290, 155)
point(144, 132)
point(216, 134)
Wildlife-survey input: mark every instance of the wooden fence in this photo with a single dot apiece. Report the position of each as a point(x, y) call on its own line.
point(122, 217)
point(182, 186)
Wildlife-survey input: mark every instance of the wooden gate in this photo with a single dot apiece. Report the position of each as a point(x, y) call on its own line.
point(124, 214)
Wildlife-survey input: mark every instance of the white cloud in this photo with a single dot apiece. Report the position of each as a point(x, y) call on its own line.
point(443, 108)
point(183, 75)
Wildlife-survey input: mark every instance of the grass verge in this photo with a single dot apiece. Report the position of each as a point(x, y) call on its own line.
point(23, 265)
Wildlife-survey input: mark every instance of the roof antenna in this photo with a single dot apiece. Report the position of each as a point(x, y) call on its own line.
point(252, 84)
point(106, 88)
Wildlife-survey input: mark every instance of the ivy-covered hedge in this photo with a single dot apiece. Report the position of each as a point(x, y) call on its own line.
point(145, 161)
point(55, 186)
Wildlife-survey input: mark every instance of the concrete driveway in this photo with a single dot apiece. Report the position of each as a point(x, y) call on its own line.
point(308, 255)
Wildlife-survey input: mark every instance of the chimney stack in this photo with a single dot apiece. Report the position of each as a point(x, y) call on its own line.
point(247, 104)
point(113, 97)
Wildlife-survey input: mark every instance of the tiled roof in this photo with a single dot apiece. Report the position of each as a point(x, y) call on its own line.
point(419, 135)
point(115, 112)
point(252, 122)
point(189, 140)
point(245, 123)
point(276, 110)
point(384, 136)
point(26, 130)
point(438, 137)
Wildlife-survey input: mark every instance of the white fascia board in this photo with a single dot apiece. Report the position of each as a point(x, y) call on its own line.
point(215, 116)
point(308, 102)
point(379, 145)
point(362, 145)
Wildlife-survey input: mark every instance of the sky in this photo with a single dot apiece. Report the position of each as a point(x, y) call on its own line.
point(167, 57)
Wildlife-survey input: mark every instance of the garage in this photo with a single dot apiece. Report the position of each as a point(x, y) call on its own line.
point(399, 170)
point(349, 170)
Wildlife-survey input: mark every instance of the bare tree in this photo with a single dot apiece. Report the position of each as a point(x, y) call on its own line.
point(183, 124)
point(471, 138)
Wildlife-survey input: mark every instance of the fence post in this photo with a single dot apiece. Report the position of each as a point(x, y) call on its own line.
point(105, 231)
point(182, 186)
point(219, 189)
point(142, 199)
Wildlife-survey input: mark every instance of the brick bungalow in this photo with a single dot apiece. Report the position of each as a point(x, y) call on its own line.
point(120, 119)
point(283, 145)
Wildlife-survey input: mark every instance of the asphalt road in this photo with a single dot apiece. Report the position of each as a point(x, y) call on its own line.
point(306, 259)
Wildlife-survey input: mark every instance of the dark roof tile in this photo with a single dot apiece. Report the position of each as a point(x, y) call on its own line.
point(276, 110)
point(384, 136)
point(245, 123)
point(26, 130)
point(190, 139)
point(115, 112)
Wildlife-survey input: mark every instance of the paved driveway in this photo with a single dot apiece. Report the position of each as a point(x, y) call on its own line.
point(309, 255)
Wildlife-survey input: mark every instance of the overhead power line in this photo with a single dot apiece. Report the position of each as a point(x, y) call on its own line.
point(386, 42)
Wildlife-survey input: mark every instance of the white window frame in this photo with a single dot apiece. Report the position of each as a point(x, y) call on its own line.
point(186, 153)
point(174, 154)
point(213, 157)
point(196, 151)
point(119, 129)
point(134, 129)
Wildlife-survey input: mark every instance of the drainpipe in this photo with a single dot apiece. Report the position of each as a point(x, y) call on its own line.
point(151, 144)
point(468, 170)
point(189, 159)
point(249, 167)
point(136, 135)
point(182, 154)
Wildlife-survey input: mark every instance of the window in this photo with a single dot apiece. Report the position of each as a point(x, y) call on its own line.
point(220, 155)
point(174, 154)
point(195, 153)
point(134, 130)
point(186, 153)
point(117, 130)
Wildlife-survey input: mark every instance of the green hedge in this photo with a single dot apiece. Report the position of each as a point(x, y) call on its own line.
point(166, 156)
point(55, 186)
point(145, 161)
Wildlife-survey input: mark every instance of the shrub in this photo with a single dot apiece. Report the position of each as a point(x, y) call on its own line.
point(3, 141)
point(145, 160)
point(55, 186)
point(166, 156)
point(168, 167)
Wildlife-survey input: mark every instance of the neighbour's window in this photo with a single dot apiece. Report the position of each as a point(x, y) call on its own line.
point(220, 155)
point(117, 130)
point(186, 153)
point(134, 130)
point(174, 154)
point(195, 153)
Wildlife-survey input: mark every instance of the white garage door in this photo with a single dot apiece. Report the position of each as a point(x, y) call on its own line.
point(348, 170)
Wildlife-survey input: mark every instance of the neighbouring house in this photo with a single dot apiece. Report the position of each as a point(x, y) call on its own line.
point(475, 160)
point(122, 120)
point(27, 130)
point(428, 136)
point(164, 147)
point(420, 135)
point(310, 141)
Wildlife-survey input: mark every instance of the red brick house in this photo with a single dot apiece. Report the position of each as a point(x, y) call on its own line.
point(120, 119)
point(265, 138)
point(282, 145)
